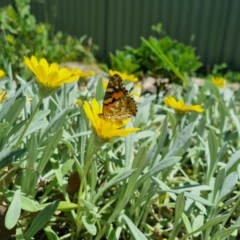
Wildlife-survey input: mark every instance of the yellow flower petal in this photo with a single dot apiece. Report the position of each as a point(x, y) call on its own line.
point(124, 76)
point(50, 77)
point(218, 81)
point(180, 106)
point(82, 74)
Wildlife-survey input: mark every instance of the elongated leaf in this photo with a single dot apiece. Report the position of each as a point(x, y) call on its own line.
point(207, 225)
point(236, 121)
point(7, 104)
point(89, 225)
point(15, 110)
point(228, 185)
point(3, 127)
point(152, 44)
point(212, 159)
point(27, 203)
point(180, 202)
point(181, 140)
point(99, 90)
point(221, 175)
point(233, 162)
point(54, 140)
point(165, 163)
point(139, 163)
point(225, 233)
point(51, 235)
point(136, 233)
point(186, 222)
point(129, 142)
point(56, 123)
point(13, 211)
point(7, 156)
point(197, 223)
point(119, 177)
point(162, 137)
point(41, 219)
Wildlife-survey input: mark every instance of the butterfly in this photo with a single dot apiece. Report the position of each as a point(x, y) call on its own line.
point(117, 104)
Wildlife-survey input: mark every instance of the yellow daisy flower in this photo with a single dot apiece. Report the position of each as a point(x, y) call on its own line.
point(180, 106)
point(49, 76)
point(218, 81)
point(3, 95)
point(104, 129)
point(82, 74)
point(2, 73)
point(124, 76)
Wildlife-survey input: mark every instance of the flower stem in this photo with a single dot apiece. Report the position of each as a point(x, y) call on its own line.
point(27, 125)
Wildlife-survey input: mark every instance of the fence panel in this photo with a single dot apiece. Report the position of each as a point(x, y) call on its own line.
point(211, 26)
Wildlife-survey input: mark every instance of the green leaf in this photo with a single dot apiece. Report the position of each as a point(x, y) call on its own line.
point(3, 127)
point(159, 52)
point(66, 206)
point(224, 234)
point(186, 222)
point(13, 211)
point(129, 146)
point(180, 203)
point(89, 225)
point(52, 144)
point(41, 219)
point(182, 138)
point(233, 162)
point(165, 163)
point(136, 233)
point(15, 110)
point(56, 123)
point(99, 89)
point(162, 137)
point(27, 203)
point(212, 159)
point(7, 156)
point(228, 185)
point(208, 225)
point(221, 175)
point(139, 163)
point(119, 177)
point(7, 105)
point(236, 121)
point(51, 235)
point(30, 176)
point(197, 223)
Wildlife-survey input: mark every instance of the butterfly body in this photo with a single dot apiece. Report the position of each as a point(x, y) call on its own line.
point(117, 104)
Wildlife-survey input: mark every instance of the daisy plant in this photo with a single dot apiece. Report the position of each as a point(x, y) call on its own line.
point(49, 77)
point(78, 164)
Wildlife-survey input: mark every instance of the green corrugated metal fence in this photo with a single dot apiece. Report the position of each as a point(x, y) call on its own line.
point(213, 24)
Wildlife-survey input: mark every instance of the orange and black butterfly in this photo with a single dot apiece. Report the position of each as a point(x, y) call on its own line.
point(117, 104)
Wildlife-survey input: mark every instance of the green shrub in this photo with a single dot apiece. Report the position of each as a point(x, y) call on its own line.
point(143, 60)
point(21, 35)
